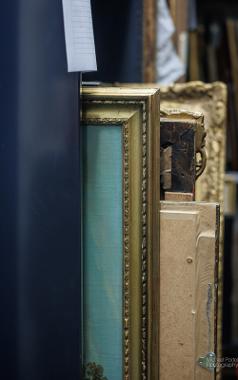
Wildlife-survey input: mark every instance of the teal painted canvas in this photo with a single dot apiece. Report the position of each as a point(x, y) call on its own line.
point(103, 249)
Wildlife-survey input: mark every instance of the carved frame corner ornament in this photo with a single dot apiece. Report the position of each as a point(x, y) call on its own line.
point(137, 113)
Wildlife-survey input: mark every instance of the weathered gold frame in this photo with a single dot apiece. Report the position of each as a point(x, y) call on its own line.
point(138, 112)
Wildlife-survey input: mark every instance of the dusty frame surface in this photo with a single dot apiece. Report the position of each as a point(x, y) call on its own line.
point(137, 111)
point(211, 100)
point(188, 316)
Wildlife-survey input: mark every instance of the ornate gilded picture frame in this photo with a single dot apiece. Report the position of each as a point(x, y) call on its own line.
point(120, 211)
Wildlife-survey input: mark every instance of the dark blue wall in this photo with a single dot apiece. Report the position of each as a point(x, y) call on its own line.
point(8, 194)
point(39, 196)
point(118, 27)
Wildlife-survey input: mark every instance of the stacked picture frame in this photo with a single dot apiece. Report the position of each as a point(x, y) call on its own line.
point(133, 155)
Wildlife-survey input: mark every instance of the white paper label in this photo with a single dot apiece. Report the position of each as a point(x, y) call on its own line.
point(79, 38)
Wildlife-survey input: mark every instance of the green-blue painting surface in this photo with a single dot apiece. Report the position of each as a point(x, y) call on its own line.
point(102, 248)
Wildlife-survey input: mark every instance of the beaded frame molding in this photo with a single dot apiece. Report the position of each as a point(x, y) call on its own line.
point(137, 113)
